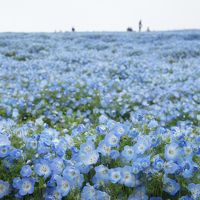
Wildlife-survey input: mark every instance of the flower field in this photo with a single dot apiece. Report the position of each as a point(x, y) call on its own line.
point(99, 116)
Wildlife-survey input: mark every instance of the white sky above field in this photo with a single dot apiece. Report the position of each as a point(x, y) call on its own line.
point(98, 15)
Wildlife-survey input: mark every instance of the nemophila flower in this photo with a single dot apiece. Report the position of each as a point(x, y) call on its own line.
point(4, 151)
point(127, 178)
point(4, 188)
point(87, 147)
point(52, 194)
point(110, 124)
point(71, 173)
point(4, 140)
point(142, 145)
point(186, 198)
point(15, 113)
point(102, 195)
point(31, 143)
point(136, 167)
point(81, 128)
point(15, 154)
point(188, 168)
point(158, 163)
point(59, 146)
point(128, 153)
point(144, 161)
point(114, 175)
point(103, 119)
point(114, 154)
point(153, 124)
point(155, 198)
point(112, 140)
point(101, 129)
point(89, 158)
point(16, 182)
point(26, 171)
point(119, 130)
point(43, 148)
point(172, 152)
point(133, 133)
point(195, 190)
point(63, 185)
point(43, 168)
point(171, 167)
point(84, 169)
point(104, 148)
point(171, 186)
point(57, 165)
point(69, 141)
point(155, 140)
point(188, 149)
point(27, 186)
point(7, 162)
point(88, 193)
point(102, 172)
point(139, 194)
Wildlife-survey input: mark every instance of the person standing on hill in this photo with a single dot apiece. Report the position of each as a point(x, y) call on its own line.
point(140, 25)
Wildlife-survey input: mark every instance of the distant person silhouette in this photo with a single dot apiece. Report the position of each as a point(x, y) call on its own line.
point(140, 25)
point(148, 29)
point(73, 29)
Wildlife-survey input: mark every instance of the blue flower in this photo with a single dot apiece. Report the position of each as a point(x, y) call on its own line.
point(104, 148)
point(114, 154)
point(101, 129)
point(153, 124)
point(136, 167)
point(172, 152)
point(111, 140)
point(72, 174)
point(171, 167)
point(119, 130)
point(16, 182)
point(101, 172)
point(89, 158)
point(127, 178)
point(4, 151)
point(140, 194)
point(158, 163)
point(144, 161)
point(142, 145)
point(4, 188)
point(114, 175)
point(27, 186)
point(128, 153)
point(31, 143)
point(102, 195)
point(57, 166)
point(42, 168)
point(26, 171)
point(186, 198)
point(63, 186)
point(87, 147)
point(171, 186)
point(52, 194)
point(155, 198)
point(195, 190)
point(15, 153)
point(88, 193)
point(4, 140)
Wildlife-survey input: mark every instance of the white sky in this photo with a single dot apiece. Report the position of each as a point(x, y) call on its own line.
point(97, 15)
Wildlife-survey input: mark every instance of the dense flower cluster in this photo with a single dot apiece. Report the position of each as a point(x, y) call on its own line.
point(99, 116)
